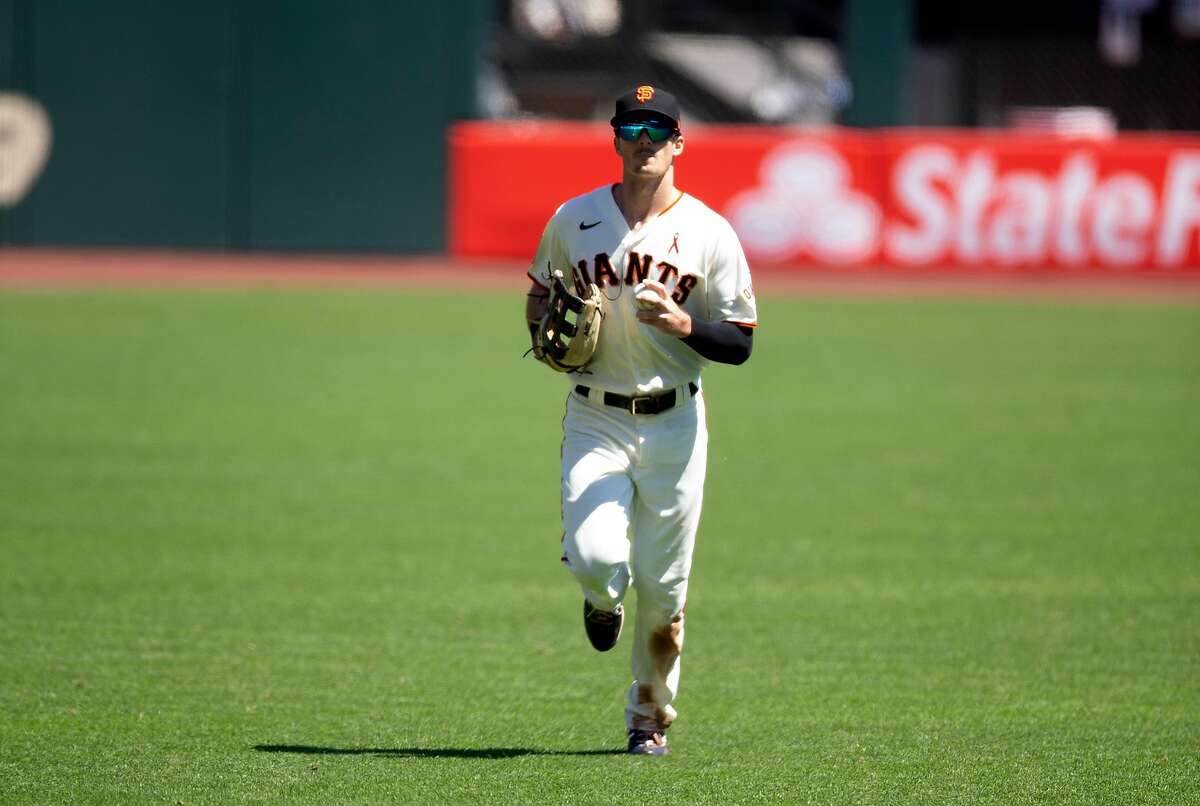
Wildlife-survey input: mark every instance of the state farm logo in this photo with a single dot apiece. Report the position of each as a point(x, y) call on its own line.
point(805, 206)
point(999, 203)
point(962, 209)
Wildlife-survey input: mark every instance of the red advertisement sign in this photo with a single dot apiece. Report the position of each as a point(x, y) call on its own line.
point(912, 198)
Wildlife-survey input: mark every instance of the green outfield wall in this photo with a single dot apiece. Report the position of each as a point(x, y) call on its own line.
point(265, 124)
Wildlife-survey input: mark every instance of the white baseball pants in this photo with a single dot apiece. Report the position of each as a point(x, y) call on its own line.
point(632, 487)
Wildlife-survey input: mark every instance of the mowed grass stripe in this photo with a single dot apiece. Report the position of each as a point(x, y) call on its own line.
point(302, 546)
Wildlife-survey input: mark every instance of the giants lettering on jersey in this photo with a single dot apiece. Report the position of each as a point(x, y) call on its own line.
point(637, 268)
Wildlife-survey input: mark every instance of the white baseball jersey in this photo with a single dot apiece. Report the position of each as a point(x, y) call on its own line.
point(687, 247)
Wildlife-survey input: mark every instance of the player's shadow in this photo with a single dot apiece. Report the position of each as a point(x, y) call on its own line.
point(429, 752)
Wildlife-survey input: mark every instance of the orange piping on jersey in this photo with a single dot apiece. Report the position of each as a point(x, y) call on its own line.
point(743, 324)
point(672, 204)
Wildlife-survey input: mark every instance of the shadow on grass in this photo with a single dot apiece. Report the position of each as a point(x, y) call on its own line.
point(429, 752)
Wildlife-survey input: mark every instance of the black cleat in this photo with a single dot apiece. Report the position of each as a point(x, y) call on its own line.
point(648, 743)
point(603, 628)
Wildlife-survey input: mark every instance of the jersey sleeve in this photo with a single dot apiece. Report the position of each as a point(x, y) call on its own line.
point(550, 253)
point(730, 291)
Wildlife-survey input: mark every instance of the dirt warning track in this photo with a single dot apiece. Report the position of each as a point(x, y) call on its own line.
point(50, 269)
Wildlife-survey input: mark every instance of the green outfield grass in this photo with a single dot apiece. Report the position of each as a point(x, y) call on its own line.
point(303, 546)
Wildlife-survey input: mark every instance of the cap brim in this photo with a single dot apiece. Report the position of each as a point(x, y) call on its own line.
point(635, 115)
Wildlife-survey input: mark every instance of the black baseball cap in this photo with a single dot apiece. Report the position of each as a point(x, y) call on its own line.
point(635, 104)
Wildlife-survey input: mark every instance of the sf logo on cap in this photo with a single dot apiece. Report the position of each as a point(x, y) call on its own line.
point(644, 93)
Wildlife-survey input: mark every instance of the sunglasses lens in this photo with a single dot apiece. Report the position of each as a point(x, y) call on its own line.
point(629, 131)
point(632, 131)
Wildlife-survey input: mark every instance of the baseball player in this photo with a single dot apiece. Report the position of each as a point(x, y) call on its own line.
point(675, 294)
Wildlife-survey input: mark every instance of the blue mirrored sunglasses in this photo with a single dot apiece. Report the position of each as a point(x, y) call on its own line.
point(657, 132)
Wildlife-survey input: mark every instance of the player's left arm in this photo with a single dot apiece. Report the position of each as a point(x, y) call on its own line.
point(724, 342)
point(729, 337)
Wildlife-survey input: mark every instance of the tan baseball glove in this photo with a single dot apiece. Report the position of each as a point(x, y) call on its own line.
point(566, 337)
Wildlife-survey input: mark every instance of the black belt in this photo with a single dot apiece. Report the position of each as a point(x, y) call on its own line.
point(645, 404)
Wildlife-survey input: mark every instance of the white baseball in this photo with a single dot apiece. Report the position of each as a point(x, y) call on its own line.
point(644, 298)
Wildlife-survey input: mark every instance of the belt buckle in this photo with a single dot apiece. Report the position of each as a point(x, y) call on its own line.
point(634, 401)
